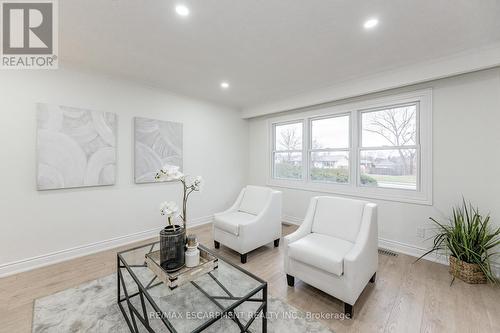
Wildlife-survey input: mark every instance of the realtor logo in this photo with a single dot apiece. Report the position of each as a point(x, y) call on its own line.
point(29, 34)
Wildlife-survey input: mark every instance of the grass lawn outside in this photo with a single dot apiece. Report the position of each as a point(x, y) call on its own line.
point(407, 182)
point(410, 179)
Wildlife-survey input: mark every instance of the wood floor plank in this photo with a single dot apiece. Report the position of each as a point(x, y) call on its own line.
point(16, 319)
point(439, 301)
point(406, 313)
point(406, 297)
point(490, 297)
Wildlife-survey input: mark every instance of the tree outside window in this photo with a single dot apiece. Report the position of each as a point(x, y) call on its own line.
point(287, 152)
point(389, 146)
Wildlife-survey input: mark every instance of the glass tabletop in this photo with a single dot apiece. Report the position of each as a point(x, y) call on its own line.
point(208, 301)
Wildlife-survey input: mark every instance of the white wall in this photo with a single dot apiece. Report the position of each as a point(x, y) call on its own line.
point(466, 159)
point(34, 223)
point(226, 150)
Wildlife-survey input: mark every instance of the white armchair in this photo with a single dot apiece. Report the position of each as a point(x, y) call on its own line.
point(253, 221)
point(335, 249)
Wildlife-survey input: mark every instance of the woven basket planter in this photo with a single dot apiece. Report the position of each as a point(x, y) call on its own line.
point(470, 273)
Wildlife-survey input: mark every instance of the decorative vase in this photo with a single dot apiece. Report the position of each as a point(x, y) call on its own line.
point(192, 253)
point(172, 248)
point(470, 273)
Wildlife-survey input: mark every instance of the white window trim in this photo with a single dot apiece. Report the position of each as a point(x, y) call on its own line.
point(423, 194)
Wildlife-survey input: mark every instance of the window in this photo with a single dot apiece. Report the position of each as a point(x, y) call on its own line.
point(287, 152)
point(389, 147)
point(380, 148)
point(329, 149)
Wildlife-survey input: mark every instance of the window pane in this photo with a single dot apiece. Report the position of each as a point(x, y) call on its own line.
point(288, 165)
point(330, 133)
point(288, 136)
point(389, 168)
point(390, 127)
point(330, 166)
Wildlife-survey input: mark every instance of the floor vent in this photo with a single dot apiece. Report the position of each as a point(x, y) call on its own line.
point(386, 252)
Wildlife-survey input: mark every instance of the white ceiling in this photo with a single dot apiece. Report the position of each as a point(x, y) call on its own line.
point(267, 49)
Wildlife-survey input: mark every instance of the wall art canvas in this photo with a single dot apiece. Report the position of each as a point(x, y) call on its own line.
point(157, 143)
point(75, 147)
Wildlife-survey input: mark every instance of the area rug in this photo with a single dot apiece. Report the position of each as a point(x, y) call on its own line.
point(91, 307)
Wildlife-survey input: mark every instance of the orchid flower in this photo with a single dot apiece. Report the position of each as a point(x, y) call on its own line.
point(190, 184)
point(169, 173)
point(170, 210)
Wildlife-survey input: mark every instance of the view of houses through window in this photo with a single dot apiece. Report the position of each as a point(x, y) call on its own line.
point(329, 149)
point(387, 148)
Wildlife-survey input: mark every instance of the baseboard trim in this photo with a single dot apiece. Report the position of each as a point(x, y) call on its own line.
point(287, 219)
point(416, 251)
point(28, 264)
point(411, 250)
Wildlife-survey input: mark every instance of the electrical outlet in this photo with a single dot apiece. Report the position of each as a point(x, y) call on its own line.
point(421, 232)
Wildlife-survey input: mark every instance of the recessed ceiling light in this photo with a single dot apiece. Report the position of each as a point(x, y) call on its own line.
point(371, 23)
point(182, 10)
point(224, 85)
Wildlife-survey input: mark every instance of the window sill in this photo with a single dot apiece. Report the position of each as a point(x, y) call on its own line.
point(403, 196)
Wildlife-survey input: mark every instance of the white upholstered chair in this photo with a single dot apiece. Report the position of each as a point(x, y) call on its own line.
point(335, 249)
point(254, 220)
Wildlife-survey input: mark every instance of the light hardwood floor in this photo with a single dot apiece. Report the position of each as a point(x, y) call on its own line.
point(407, 297)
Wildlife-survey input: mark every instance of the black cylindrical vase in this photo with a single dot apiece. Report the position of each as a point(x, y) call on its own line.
point(172, 248)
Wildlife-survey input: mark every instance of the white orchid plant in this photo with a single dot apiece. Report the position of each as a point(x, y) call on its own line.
point(170, 210)
point(191, 184)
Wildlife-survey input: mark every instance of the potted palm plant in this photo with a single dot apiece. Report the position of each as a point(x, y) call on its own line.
point(469, 240)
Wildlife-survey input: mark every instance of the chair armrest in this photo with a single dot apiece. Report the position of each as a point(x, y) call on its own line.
point(296, 235)
point(305, 227)
point(293, 237)
point(363, 257)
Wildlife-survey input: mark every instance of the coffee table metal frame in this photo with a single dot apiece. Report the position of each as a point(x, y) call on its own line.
point(142, 293)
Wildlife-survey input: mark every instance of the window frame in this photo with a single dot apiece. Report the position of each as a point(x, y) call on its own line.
point(423, 193)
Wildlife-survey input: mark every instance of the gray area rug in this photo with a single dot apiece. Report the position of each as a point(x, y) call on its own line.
point(91, 307)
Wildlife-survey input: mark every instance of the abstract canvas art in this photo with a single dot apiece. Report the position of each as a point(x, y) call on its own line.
point(75, 147)
point(157, 143)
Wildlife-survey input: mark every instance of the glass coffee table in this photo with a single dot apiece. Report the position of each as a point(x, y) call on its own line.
point(228, 299)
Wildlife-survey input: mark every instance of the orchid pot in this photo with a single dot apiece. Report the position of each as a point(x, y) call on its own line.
point(172, 248)
point(172, 244)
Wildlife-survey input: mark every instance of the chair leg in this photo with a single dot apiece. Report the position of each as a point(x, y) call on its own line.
point(276, 242)
point(216, 244)
point(290, 280)
point(243, 258)
point(348, 310)
point(373, 278)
